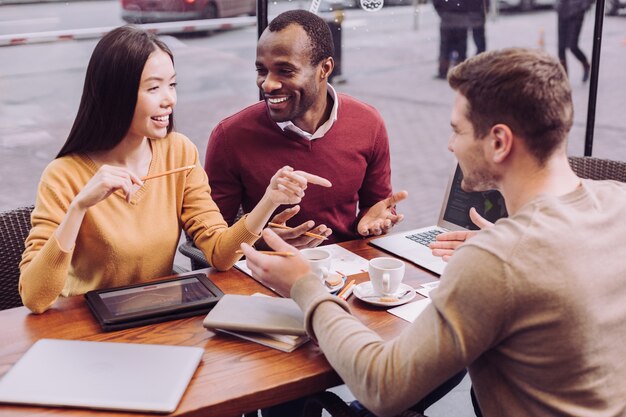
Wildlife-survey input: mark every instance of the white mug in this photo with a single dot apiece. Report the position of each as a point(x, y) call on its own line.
point(319, 259)
point(386, 275)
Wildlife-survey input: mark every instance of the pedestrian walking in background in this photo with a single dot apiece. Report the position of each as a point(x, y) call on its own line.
point(452, 34)
point(571, 14)
point(477, 10)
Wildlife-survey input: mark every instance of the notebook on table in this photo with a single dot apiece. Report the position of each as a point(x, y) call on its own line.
point(412, 245)
point(271, 321)
point(101, 375)
point(256, 313)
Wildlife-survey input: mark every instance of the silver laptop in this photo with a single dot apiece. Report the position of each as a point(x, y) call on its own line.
point(412, 245)
point(101, 375)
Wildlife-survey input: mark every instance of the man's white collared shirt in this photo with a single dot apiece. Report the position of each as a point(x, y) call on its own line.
point(321, 131)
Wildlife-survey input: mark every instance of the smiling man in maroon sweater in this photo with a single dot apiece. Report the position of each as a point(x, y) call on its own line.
point(303, 122)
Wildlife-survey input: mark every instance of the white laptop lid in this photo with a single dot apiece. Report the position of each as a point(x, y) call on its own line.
point(103, 375)
point(453, 215)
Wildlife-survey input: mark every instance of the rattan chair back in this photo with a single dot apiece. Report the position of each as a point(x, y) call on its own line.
point(14, 227)
point(598, 168)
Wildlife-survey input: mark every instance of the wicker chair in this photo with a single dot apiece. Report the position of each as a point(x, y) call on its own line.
point(14, 227)
point(598, 169)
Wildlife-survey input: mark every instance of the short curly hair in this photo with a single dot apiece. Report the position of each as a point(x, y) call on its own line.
point(317, 30)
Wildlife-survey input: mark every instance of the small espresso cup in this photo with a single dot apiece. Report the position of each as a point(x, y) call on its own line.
point(386, 275)
point(319, 259)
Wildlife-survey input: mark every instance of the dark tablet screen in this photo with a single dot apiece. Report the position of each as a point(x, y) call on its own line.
point(157, 296)
point(173, 298)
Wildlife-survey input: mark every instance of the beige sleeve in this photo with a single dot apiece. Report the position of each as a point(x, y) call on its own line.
point(390, 376)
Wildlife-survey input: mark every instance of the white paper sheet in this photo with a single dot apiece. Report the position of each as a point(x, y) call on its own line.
point(431, 285)
point(410, 311)
point(344, 262)
point(423, 291)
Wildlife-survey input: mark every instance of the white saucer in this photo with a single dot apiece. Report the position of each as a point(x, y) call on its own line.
point(365, 293)
point(337, 287)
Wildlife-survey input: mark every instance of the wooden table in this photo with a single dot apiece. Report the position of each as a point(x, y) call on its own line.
point(234, 377)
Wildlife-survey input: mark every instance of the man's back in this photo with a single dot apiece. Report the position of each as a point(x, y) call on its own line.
point(543, 295)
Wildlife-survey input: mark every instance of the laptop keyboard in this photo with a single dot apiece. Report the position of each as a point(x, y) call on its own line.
point(425, 238)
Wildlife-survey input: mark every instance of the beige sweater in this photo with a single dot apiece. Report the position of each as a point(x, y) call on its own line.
point(121, 243)
point(535, 307)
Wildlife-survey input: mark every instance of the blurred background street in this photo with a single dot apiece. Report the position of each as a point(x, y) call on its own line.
point(389, 60)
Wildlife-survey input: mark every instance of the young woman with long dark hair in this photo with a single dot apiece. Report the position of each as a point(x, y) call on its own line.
point(96, 224)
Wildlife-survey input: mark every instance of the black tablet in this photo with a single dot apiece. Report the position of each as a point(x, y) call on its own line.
point(154, 301)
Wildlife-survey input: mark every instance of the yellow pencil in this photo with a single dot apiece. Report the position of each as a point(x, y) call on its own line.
point(344, 293)
point(282, 226)
point(171, 171)
point(268, 252)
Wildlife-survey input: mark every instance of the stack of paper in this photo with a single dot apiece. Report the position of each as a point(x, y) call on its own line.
point(270, 321)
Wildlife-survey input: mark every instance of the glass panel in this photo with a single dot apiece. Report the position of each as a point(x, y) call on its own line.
point(389, 60)
point(610, 125)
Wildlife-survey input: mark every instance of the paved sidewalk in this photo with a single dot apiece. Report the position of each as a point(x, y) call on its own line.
point(389, 68)
point(394, 72)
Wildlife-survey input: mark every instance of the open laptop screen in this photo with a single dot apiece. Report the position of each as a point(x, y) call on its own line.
point(489, 204)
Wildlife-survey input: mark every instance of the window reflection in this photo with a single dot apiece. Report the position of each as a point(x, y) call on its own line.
point(609, 124)
point(389, 60)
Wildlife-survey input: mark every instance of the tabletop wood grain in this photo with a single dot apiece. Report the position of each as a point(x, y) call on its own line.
point(234, 377)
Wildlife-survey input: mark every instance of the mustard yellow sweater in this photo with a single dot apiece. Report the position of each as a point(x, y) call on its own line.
point(121, 243)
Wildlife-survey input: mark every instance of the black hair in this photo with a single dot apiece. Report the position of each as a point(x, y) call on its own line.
point(110, 92)
point(318, 32)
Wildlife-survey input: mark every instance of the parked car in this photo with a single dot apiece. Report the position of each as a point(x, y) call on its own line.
point(329, 5)
point(525, 5)
point(613, 6)
point(150, 11)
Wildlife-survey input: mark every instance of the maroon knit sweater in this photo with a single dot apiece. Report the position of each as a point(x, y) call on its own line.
point(246, 149)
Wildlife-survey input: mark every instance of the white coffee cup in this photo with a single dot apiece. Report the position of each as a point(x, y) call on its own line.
point(319, 259)
point(386, 275)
